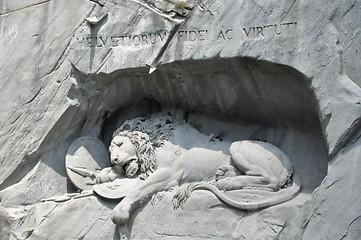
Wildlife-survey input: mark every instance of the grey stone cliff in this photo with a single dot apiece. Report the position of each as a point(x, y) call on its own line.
point(287, 72)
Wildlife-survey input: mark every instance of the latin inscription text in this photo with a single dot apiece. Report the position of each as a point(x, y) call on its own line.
point(189, 35)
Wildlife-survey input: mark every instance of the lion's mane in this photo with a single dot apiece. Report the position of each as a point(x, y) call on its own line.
point(146, 134)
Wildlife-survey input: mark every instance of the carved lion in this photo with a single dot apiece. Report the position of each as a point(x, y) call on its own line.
point(140, 148)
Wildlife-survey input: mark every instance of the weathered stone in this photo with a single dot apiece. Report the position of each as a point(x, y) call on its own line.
point(282, 71)
point(333, 212)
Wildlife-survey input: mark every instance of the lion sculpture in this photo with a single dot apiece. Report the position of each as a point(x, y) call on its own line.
point(140, 149)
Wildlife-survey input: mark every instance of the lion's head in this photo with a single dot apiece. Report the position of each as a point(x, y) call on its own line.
point(144, 134)
point(145, 154)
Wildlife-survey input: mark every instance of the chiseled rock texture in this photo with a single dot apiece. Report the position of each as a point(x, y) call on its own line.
point(285, 71)
point(334, 212)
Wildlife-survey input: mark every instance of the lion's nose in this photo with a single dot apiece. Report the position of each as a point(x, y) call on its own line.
point(114, 160)
point(118, 157)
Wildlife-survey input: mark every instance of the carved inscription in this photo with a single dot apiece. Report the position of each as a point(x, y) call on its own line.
point(189, 36)
point(198, 35)
point(124, 40)
point(272, 29)
point(226, 34)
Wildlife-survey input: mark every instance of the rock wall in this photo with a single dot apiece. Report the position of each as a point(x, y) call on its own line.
point(286, 71)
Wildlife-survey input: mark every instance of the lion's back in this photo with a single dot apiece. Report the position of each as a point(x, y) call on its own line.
point(200, 164)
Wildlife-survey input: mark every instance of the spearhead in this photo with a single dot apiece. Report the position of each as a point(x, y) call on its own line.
point(83, 172)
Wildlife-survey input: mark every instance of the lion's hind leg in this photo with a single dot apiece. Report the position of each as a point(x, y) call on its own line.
point(225, 171)
point(243, 162)
point(252, 159)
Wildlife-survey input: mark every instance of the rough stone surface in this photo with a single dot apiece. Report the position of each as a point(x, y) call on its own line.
point(333, 213)
point(285, 71)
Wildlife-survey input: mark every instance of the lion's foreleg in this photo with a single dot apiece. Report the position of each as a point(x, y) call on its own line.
point(156, 182)
point(121, 212)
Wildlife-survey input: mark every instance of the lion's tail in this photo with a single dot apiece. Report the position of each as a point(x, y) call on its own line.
point(279, 197)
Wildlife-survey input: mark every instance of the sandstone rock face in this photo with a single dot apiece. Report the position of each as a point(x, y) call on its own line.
point(286, 72)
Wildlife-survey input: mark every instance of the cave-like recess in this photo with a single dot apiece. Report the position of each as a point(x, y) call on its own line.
point(234, 99)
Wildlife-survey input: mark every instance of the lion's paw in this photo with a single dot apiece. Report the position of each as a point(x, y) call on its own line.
point(181, 196)
point(222, 172)
point(102, 177)
point(222, 184)
point(121, 213)
point(120, 217)
point(156, 198)
point(179, 199)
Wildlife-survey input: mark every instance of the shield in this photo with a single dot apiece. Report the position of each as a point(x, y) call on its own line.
point(116, 189)
point(85, 158)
